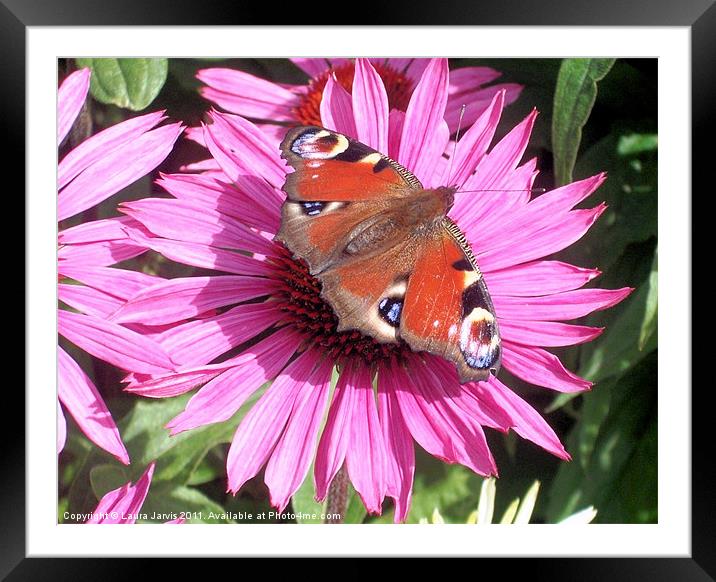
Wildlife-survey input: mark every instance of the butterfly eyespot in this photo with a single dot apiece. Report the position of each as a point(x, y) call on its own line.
point(319, 144)
point(312, 208)
point(389, 309)
point(479, 341)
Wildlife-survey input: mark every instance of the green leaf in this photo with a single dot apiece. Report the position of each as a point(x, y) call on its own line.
point(593, 414)
point(648, 325)
point(179, 456)
point(106, 478)
point(303, 502)
point(452, 488)
point(128, 83)
point(574, 98)
point(637, 143)
point(355, 511)
point(619, 349)
point(602, 481)
point(632, 203)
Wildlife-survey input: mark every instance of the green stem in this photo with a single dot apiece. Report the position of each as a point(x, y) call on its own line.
point(337, 498)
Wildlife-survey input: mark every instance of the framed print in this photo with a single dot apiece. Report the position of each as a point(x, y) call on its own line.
point(400, 280)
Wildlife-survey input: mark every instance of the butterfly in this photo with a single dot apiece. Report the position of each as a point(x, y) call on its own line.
point(391, 263)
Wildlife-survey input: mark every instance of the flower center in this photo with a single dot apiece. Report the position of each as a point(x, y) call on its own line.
point(397, 85)
point(300, 295)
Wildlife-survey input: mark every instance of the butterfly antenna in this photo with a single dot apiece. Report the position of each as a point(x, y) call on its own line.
point(457, 136)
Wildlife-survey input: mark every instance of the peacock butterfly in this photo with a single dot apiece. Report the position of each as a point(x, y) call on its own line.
point(391, 263)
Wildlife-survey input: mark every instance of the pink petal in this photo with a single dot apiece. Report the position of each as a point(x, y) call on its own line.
point(116, 170)
point(169, 385)
point(291, 459)
point(528, 246)
point(199, 342)
point(432, 159)
point(183, 298)
point(504, 157)
point(337, 108)
point(477, 100)
point(560, 306)
point(94, 149)
point(370, 106)
point(195, 134)
point(437, 425)
point(247, 95)
point(543, 212)
point(365, 454)
point(311, 66)
point(538, 278)
point(96, 244)
point(478, 411)
point(241, 148)
point(126, 501)
point(186, 221)
point(88, 300)
point(98, 254)
point(525, 420)
point(416, 68)
point(465, 79)
point(256, 436)
point(104, 512)
point(547, 333)
point(474, 142)
point(82, 400)
point(400, 452)
point(396, 119)
point(117, 282)
point(70, 97)
point(489, 210)
point(204, 256)
point(251, 201)
point(95, 231)
point(276, 133)
point(222, 397)
point(113, 343)
point(61, 429)
point(334, 440)
point(209, 167)
point(424, 117)
point(541, 368)
point(468, 438)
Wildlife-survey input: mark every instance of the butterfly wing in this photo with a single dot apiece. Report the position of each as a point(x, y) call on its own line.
point(339, 188)
point(447, 309)
point(332, 167)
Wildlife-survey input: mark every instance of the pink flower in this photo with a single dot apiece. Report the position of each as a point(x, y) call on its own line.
point(96, 169)
point(277, 105)
point(266, 302)
point(124, 504)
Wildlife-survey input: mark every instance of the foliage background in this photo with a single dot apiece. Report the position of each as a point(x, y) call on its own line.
point(595, 115)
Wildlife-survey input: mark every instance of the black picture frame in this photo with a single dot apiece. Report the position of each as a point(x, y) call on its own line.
point(698, 15)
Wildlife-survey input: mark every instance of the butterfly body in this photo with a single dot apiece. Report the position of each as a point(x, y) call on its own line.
point(391, 263)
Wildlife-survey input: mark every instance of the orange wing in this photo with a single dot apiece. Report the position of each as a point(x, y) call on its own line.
point(331, 167)
point(447, 309)
point(339, 188)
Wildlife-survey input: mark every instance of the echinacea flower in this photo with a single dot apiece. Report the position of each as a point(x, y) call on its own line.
point(257, 316)
point(275, 105)
point(124, 504)
point(93, 171)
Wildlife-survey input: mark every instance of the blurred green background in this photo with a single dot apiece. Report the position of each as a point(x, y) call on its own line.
point(595, 115)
